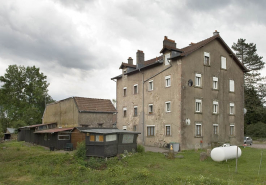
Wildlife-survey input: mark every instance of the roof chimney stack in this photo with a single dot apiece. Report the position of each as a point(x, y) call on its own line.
point(140, 59)
point(215, 33)
point(130, 61)
point(168, 42)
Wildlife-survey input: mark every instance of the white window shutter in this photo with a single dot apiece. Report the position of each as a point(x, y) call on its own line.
point(223, 62)
point(232, 86)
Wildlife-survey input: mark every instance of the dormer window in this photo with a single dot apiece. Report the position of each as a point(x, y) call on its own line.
point(166, 56)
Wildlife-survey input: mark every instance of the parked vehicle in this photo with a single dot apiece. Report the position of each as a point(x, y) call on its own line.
point(247, 140)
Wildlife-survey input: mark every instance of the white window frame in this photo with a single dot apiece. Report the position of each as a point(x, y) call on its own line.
point(168, 81)
point(150, 109)
point(231, 86)
point(223, 62)
point(198, 105)
point(112, 137)
point(168, 103)
point(124, 127)
point(232, 108)
point(150, 133)
point(215, 107)
point(232, 130)
point(124, 110)
point(198, 80)
point(198, 132)
point(136, 85)
point(206, 54)
point(167, 55)
point(124, 91)
point(150, 85)
point(135, 107)
point(215, 82)
point(215, 128)
point(166, 130)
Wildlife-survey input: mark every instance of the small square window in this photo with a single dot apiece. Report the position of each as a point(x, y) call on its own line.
point(232, 130)
point(215, 83)
point(231, 85)
point(223, 62)
point(135, 89)
point(150, 130)
point(232, 108)
point(125, 91)
point(167, 81)
point(215, 129)
point(198, 130)
point(135, 111)
point(167, 130)
point(150, 85)
point(150, 108)
point(215, 107)
point(168, 106)
point(198, 80)
point(198, 105)
point(206, 58)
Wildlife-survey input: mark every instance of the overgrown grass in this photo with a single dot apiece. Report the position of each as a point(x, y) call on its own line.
point(21, 163)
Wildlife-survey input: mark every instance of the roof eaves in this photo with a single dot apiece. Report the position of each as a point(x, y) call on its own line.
point(159, 62)
point(116, 77)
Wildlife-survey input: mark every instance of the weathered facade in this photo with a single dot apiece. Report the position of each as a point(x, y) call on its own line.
point(193, 96)
point(78, 112)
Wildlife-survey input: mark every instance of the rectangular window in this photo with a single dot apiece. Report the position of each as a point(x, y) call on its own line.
point(64, 137)
point(167, 130)
point(166, 56)
point(150, 130)
point(111, 137)
point(231, 85)
point(223, 62)
point(167, 81)
point(92, 138)
point(215, 107)
point(135, 89)
point(215, 129)
point(125, 112)
point(198, 80)
point(125, 91)
point(135, 128)
point(168, 106)
point(198, 104)
point(206, 58)
point(128, 138)
point(150, 108)
point(232, 108)
point(135, 111)
point(214, 82)
point(232, 130)
point(150, 85)
point(198, 130)
point(99, 138)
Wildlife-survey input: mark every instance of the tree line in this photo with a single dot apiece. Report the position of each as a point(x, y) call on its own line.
point(24, 93)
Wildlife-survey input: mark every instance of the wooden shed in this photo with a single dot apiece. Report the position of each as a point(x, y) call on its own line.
point(56, 137)
point(109, 142)
point(77, 136)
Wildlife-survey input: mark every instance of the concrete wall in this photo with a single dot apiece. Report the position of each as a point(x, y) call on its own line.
point(194, 63)
point(92, 119)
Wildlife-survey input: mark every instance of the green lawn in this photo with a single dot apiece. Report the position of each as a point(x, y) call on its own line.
point(22, 163)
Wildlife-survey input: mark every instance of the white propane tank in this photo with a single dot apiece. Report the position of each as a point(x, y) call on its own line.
point(224, 153)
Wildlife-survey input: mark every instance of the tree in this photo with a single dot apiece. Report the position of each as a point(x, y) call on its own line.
point(247, 54)
point(23, 95)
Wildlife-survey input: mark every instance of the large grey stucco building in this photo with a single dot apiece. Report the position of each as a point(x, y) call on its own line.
point(193, 96)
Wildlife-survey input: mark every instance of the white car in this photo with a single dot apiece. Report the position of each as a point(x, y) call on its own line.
point(247, 140)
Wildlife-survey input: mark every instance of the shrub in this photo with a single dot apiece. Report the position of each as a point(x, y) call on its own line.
point(81, 150)
point(256, 130)
point(140, 149)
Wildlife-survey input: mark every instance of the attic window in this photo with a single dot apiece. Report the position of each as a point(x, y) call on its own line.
point(100, 125)
point(166, 56)
point(206, 59)
point(125, 71)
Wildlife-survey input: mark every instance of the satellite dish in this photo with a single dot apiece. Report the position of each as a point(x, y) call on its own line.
point(245, 110)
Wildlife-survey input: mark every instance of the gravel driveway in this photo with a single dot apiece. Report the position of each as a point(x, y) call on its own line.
point(262, 145)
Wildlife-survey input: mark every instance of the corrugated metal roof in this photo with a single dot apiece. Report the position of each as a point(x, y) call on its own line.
point(54, 130)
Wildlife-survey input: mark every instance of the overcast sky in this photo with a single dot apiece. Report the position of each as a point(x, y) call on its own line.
point(80, 44)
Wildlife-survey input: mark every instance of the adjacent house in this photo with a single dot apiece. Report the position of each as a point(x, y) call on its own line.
point(193, 96)
point(81, 112)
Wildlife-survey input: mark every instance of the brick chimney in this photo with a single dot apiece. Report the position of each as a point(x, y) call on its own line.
point(130, 61)
point(216, 32)
point(140, 59)
point(169, 42)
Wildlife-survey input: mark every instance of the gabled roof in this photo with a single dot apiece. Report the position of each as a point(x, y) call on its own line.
point(94, 105)
point(126, 65)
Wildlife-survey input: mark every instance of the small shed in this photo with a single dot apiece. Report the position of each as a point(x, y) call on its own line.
point(55, 137)
point(78, 136)
point(109, 142)
point(9, 133)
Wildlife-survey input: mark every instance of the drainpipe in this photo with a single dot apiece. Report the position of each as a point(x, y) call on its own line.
point(143, 82)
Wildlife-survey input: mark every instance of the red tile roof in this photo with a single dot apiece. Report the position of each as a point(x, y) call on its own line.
point(126, 65)
point(94, 105)
point(151, 61)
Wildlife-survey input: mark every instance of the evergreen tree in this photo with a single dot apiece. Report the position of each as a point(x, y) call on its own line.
point(23, 95)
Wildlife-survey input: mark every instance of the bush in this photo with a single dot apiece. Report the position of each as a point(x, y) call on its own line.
point(81, 150)
point(140, 149)
point(256, 130)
